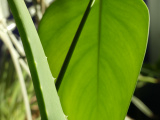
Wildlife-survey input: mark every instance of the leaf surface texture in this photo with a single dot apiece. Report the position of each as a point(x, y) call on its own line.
point(103, 70)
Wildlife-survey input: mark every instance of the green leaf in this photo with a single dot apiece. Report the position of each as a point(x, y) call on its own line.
point(43, 81)
point(60, 22)
point(102, 74)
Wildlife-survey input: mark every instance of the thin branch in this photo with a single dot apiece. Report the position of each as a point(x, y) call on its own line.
point(14, 40)
point(43, 6)
point(73, 45)
point(128, 118)
point(6, 40)
point(17, 45)
point(147, 79)
point(142, 107)
point(25, 67)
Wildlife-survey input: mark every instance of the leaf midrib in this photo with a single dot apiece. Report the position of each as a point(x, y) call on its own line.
point(98, 52)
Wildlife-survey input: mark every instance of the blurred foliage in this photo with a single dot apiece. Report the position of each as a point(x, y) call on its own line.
point(11, 100)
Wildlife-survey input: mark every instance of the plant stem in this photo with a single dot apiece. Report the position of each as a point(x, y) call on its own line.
point(18, 46)
point(142, 107)
point(147, 79)
point(73, 45)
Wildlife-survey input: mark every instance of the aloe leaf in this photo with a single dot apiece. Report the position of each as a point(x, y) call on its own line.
point(48, 100)
point(105, 65)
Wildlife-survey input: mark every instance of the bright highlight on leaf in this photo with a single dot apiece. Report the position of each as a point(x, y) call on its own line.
point(102, 74)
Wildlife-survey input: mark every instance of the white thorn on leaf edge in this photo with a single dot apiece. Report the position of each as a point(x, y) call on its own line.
point(35, 63)
point(66, 117)
point(41, 87)
point(54, 79)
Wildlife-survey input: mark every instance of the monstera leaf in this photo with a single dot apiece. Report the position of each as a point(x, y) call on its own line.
point(103, 70)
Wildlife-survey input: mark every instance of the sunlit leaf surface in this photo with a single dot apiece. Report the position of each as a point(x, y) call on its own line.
point(103, 70)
